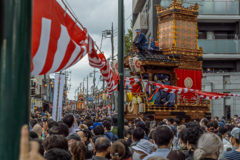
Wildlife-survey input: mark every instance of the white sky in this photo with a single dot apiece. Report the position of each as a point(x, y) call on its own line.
point(96, 16)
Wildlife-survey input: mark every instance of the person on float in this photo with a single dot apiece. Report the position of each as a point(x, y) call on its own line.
point(142, 40)
point(153, 44)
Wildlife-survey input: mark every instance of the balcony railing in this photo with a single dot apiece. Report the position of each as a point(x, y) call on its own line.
point(218, 46)
point(210, 7)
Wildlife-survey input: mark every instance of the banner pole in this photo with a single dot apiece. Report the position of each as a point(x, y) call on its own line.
point(58, 94)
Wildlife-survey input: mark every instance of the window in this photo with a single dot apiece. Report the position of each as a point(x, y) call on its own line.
point(149, 4)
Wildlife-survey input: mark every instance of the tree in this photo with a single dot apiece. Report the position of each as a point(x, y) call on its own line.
point(128, 39)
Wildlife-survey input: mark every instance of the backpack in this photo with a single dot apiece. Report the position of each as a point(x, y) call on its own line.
point(112, 137)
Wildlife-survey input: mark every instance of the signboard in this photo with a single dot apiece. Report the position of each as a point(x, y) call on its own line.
point(34, 87)
point(32, 104)
point(56, 98)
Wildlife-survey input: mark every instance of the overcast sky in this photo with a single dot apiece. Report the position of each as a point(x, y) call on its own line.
point(96, 16)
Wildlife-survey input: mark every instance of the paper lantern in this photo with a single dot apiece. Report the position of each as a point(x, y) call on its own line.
point(104, 96)
point(114, 65)
point(139, 99)
point(50, 83)
point(134, 100)
point(129, 97)
point(45, 85)
point(134, 64)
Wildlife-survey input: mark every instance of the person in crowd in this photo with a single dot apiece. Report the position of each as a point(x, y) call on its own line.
point(216, 119)
point(33, 134)
point(137, 135)
point(126, 124)
point(55, 141)
point(55, 130)
point(143, 126)
point(163, 137)
point(128, 154)
point(176, 155)
point(85, 136)
point(161, 123)
point(117, 151)
point(142, 40)
point(98, 130)
point(204, 122)
point(71, 138)
point(142, 149)
point(71, 122)
point(93, 140)
point(78, 150)
point(102, 147)
point(114, 124)
point(38, 129)
point(64, 129)
point(209, 147)
point(223, 132)
point(197, 120)
point(45, 124)
point(210, 127)
point(183, 140)
point(107, 133)
point(83, 126)
point(193, 134)
point(170, 121)
point(234, 139)
point(52, 123)
point(33, 122)
point(223, 119)
point(209, 70)
point(180, 128)
point(57, 154)
point(176, 121)
point(95, 124)
point(215, 126)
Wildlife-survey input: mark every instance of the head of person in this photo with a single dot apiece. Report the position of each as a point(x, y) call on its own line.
point(137, 134)
point(52, 123)
point(208, 69)
point(204, 122)
point(161, 123)
point(64, 129)
point(142, 149)
point(196, 120)
point(209, 145)
point(45, 123)
point(176, 155)
point(106, 125)
point(136, 120)
point(216, 119)
point(128, 154)
point(234, 139)
point(180, 128)
point(33, 122)
point(223, 131)
point(68, 119)
point(115, 120)
point(151, 39)
point(55, 141)
point(85, 135)
point(98, 130)
point(170, 121)
point(78, 150)
point(57, 154)
point(176, 121)
point(38, 129)
point(183, 137)
point(143, 126)
point(33, 134)
point(193, 134)
point(155, 78)
point(215, 123)
point(93, 140)
point(71, 138)
point(55, 130)
point(125, 122)
point(163, 136)
point(138, 31)
point(102, 146)
point(235, 117)
point(157, 158)
point(117, 151)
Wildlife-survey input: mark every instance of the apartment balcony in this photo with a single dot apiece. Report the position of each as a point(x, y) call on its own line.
point(141, 23)
point(137, 5)
point(214, 7)
point(226, 49)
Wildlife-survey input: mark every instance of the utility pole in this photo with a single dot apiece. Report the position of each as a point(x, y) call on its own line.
point(87, 91)
point(113, 95)
point(121, 68)
point(94, 80)
point(15, 62)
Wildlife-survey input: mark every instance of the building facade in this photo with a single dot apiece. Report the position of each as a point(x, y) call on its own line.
point(218, 33)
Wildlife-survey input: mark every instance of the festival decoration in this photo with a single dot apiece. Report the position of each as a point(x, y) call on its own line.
point(134, 64)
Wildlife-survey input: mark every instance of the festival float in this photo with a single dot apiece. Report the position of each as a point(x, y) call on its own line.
point(176, 68)
point(80, 102)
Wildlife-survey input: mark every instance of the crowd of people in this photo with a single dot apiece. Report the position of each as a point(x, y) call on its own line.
point(93, 135)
